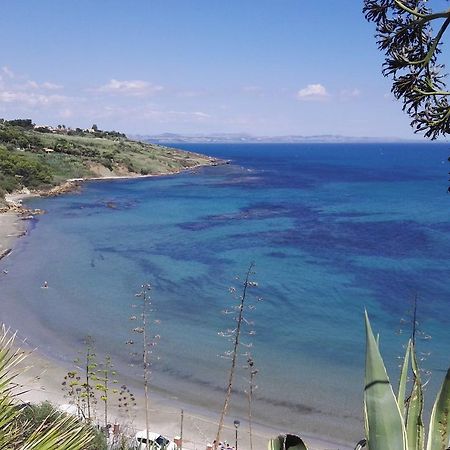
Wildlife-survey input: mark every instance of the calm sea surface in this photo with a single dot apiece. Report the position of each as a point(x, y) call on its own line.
point(332, 229)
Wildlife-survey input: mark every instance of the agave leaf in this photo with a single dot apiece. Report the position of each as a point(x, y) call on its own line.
point(287, 442)
point(385, 429)
point(274, 444)
point(403, 380)
point(414, 421)
point(439, 431)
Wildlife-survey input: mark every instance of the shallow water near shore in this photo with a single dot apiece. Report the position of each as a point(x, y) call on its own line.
point(333, 229)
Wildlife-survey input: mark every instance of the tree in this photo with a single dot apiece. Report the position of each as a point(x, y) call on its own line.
point(411, 47)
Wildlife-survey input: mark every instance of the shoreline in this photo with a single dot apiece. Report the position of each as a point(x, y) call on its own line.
point(40, 380)
point(14, 213)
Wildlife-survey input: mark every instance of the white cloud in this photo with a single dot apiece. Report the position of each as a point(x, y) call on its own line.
point(130, 87)
point(313, 92)
point(30, 99)
point(51, 86)
point(150, 113)
point(350, 93)
point(34, 85)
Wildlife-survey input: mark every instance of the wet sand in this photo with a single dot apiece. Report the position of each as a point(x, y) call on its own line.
point(42, 378)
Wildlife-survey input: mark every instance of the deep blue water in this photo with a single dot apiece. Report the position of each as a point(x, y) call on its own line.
point(332, 229)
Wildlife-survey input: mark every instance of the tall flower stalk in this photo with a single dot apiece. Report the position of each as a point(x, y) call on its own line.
point(147, 342)
point(252, 372)
point(235, 337)
point(105, 379)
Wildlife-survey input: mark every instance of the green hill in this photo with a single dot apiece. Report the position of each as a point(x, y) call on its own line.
point(40, 158)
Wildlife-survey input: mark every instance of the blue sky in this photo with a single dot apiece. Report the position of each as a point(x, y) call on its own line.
point(266, 67)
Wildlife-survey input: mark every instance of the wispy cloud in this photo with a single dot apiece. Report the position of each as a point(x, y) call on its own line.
point(19, 91)
point(34, 85)
point(138, 88)
point(312, 92)
point(6, 71)
point(30, 98)
point(350, 93)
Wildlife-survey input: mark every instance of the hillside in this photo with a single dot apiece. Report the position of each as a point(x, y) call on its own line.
point(43, 157)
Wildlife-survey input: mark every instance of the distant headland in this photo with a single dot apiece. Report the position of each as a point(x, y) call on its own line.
point(41, 158)
point(237, 138)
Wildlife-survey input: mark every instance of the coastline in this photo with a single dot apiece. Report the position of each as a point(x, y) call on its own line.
point(14, 214)
point(43, 380)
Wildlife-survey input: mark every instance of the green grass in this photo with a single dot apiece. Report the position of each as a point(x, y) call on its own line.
point(25, 159)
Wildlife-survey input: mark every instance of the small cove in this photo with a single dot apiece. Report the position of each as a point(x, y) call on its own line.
point(333, 229)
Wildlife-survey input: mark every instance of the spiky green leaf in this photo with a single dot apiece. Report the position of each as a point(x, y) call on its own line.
point(414, 421)
point(439, 431)
point(383, 420)
point(403, 380)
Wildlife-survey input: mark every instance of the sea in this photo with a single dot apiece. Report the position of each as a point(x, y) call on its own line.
point(327, 231)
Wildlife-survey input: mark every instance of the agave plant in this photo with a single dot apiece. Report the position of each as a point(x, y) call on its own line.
point(395, 422)
point(64, 433)
point(287, 442)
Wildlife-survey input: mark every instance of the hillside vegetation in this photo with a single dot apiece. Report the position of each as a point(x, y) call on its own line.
point(43, 157)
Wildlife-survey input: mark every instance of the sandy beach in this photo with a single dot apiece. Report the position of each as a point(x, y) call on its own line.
point(11, 228)
point(42, 378)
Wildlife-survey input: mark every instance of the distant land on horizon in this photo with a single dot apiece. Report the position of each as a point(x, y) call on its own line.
point(235, 138)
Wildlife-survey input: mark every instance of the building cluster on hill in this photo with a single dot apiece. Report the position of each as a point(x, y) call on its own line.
point(28, 124)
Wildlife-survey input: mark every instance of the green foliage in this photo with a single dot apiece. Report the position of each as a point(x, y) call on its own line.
point(39, 158)
point(22, 123)
point(56, 431)
point(382, 417)
point(387, 427)
point(16, 170)
point(104, 381)
point(405, 35)
point(34, 416)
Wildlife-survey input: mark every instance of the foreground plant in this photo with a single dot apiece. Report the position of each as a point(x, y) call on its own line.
point(395, 422)
point(79, 383)
point(234, 335)
point(142, 330)
point(64, 433)
point(405, 34)
point(287, 442)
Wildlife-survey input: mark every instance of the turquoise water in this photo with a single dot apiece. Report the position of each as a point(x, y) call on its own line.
point(332, 229)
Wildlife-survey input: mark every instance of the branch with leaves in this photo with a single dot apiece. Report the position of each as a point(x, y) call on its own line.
point(411, 48)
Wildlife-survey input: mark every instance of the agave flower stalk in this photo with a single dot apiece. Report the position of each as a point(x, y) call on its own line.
point(234, 335)
point(147, 343)
point(252, 372)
